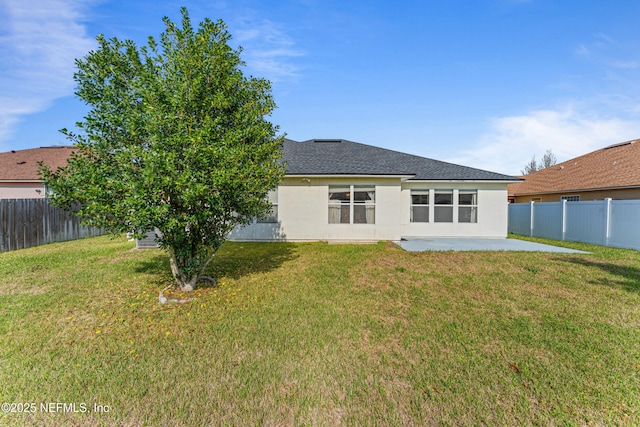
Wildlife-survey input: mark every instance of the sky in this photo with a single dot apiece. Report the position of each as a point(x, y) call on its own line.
point(482, 83)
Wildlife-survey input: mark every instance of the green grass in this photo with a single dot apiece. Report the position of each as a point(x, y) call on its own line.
point(317, 334)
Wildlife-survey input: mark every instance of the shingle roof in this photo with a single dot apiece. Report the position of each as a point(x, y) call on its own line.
point(313, 157)
point(340, 157)
point(22, 165)
point(615, 166)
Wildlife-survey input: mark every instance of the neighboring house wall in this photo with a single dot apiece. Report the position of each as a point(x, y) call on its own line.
point(615, 194)
point(303, 212)
point(21, 190)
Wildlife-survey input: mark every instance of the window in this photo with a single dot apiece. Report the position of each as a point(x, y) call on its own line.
point(272, 216)
point(443, 211)
point(439, 206)
point(468, 206)
point(364, 204)
point(352, 204)
point(419, 206)
point(571, 198)
point(339, 204)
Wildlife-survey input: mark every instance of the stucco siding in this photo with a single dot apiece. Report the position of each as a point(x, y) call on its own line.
point(303, 212)
point(27, 190)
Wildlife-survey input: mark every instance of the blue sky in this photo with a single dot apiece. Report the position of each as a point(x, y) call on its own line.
point(483, 83)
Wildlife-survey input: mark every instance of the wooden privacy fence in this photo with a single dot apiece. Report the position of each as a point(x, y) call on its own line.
point(31, 222)
point(600, 222)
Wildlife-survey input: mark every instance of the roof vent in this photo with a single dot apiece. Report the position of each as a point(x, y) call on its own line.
point(561, 167)
point(622, 144)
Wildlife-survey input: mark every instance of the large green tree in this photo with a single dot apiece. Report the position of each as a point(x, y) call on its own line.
point(175, 139)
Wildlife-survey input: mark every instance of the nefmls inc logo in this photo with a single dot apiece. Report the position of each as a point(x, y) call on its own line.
point(55, 407)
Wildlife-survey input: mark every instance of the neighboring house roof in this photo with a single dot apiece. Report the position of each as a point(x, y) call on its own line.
point(22, 165)
point(613, 167)
point(340, 157)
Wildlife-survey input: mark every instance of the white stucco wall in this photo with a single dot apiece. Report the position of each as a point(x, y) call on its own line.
point(27, 190)
point(303, 212)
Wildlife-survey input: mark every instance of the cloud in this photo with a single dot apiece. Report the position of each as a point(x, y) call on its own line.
point(604, 111)
point(511, 141)
point(268, 49)
point(39, 41)
point(609, 52)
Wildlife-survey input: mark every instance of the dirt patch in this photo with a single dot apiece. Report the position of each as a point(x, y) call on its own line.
point(13, 289)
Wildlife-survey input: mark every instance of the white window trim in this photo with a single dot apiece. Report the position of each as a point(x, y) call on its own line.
point(455, 206)
point(273, 196)
point(428, 205)
point(452, 206)
point(352, 203)
point(468, 190)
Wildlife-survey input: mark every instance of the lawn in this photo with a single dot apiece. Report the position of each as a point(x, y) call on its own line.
point(318, 334)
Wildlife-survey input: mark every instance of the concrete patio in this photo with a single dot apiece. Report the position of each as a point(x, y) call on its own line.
point(478, 244)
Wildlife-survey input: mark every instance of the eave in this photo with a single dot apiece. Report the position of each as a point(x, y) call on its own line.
point(575, 190)
point(403, 178)
point(453, 181)
point(337, 175)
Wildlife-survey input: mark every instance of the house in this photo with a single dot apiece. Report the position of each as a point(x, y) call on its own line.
point(340, 190)
point(611, 172)
point(337, 190)
point(19, 178)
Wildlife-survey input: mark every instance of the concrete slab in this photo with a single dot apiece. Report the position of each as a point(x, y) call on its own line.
point(478, 244)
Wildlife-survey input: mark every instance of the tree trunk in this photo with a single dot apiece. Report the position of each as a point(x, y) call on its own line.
point(187, 282)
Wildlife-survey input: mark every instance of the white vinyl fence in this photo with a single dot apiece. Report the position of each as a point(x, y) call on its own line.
point(600, 222)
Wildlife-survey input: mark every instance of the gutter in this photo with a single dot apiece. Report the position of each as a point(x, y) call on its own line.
point(575, 190)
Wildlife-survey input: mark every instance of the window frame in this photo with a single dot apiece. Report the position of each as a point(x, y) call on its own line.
point(427, 205)
point(473, 207)
point(443, 207)
point(339, 203)
point(446, 205)
point(272, 216)
point(353, 205)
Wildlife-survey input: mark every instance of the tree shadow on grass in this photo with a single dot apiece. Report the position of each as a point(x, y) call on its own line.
point(238, 259)
point(621, 276)
point(233, 260)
